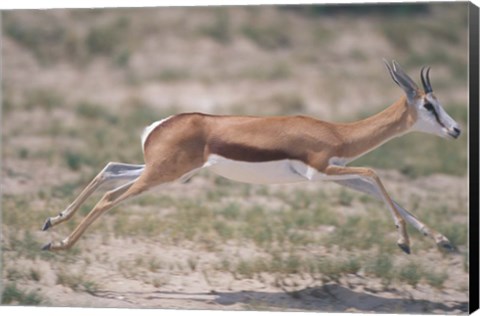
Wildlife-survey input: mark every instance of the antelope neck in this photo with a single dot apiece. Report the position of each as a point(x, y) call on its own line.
point(365, 135)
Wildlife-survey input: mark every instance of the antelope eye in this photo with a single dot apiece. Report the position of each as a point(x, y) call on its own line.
point(429, 107)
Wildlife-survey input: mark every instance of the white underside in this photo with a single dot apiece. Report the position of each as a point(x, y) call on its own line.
point(278, 171)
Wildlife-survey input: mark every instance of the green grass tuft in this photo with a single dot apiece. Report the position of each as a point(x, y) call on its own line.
point(410, 273)
point(382, 267)
point(436, 279)
point(12, 295)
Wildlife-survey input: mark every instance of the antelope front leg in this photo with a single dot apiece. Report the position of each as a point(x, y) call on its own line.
point(369, 175)
point(367, 187)
point(440, 240)
point(112, 172)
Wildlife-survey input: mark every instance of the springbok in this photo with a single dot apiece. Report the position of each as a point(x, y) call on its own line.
point(268, 150)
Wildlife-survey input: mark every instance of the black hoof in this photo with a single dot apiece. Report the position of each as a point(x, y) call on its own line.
point(405, 248)
point(47, 246)
point(446, 246)
point(47, 224)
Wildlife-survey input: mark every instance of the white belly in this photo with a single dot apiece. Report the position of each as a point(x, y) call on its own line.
point(278, 171)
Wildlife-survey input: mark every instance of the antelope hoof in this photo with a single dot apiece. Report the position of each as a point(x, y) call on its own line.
point(444, 244)
point(47, 224)
point(47, 246)
point(404, 247)
point(57, 245)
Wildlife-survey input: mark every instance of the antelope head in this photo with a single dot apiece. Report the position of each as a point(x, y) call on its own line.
point(431, 117)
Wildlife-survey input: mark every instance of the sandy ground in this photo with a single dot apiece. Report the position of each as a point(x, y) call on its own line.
point(121, 281)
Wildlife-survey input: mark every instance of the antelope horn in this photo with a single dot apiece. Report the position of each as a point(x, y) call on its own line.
point(427, 87)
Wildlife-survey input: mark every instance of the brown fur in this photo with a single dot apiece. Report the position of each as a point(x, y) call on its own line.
point(365, 135)
point(184, 141)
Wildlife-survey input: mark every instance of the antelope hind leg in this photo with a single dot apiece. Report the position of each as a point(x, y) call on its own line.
point(108, 201)
point(112, 172)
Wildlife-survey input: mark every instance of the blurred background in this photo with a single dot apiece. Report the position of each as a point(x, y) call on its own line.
point(80, 85)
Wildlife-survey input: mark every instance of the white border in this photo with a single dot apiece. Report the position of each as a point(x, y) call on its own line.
point(57, 4)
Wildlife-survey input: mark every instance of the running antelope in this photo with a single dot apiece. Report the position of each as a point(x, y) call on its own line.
point(268, 150)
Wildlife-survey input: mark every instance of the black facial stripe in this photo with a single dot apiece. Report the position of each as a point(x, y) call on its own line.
point(431, 108)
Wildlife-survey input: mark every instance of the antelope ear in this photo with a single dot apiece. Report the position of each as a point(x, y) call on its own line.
point(402, 80)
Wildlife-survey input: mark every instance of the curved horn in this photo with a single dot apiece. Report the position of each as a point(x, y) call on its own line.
point(426, 80)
